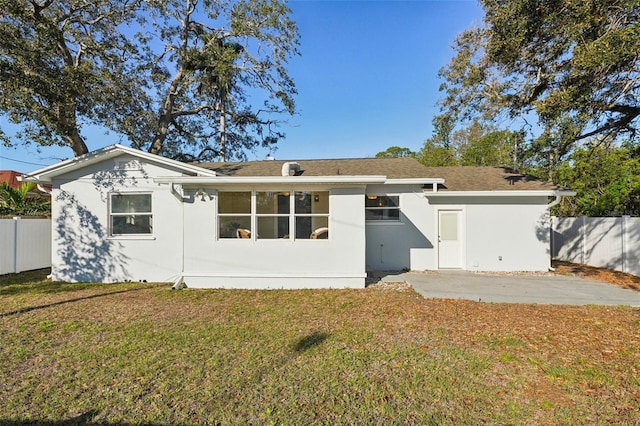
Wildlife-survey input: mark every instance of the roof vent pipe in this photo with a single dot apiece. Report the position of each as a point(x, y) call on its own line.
point(287, 167)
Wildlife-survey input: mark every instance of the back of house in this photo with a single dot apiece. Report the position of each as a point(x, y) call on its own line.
point(123, 214)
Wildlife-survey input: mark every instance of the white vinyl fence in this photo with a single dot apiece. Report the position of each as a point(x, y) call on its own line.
point(25, 244)
point(606, 242)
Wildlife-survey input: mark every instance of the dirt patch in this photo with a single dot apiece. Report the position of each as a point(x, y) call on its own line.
point(619, 279)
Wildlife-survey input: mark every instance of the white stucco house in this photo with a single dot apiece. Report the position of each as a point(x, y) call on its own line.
point(122, 214)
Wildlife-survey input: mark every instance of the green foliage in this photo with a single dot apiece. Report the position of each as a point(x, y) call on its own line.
point(22, 201)
point(436, 154)
point(177, 78)
point(483, 145)
point(607, 182)
point(573, 66)
point(395, 152)
point(438, 151)
point(476, 145)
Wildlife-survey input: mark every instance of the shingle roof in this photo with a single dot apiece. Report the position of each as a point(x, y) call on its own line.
point(456, 178)
point(392, 168)
point(469, 178)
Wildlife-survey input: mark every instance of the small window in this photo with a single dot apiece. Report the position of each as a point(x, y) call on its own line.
point(382, 207)
point(130, 214)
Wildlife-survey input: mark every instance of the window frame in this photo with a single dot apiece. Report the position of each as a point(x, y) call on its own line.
point(292, 215)
point(111, 215)
point(250, 215)
point(257, 215)
point(389, 220)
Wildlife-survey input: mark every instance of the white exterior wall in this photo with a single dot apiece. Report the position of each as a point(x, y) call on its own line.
point(508, 236)
point(82, 249)
point(337, 262)
point(408, 243)
point(501, 233)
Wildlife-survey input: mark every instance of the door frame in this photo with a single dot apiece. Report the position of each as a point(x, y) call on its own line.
point(462, 234)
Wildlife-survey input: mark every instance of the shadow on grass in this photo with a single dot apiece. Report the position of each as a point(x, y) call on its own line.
point(62, 302)
point(36, 282)
point(307, 342)
point(296, 349)
point(82, 419)
point(36, 275)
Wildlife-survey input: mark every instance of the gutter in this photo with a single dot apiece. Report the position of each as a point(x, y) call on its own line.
point(518, 193)
point(226, 180)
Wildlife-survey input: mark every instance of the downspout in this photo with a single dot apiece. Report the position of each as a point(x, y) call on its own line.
point(549, 207)
point(43, 189)
point(48, 192)
point(178, 283)
point(554, 202)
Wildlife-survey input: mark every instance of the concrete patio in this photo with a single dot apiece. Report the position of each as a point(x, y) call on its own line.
point(516, 288)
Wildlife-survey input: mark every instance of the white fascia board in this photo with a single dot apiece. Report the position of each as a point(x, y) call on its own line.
point(45, 174)
point(414, 181)
point(533, 193)
point(277, 180)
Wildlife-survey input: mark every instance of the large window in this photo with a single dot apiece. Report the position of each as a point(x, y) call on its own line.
point(382, 207)
point(130, 214)
point(264, 215)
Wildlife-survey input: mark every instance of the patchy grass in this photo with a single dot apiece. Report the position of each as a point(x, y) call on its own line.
point(144, 354)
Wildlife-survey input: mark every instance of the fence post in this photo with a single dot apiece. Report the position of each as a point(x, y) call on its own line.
point(625, 241)
point(15, 244)
point(583, 238)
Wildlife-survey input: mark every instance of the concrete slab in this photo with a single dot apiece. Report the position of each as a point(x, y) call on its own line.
point(521, 288)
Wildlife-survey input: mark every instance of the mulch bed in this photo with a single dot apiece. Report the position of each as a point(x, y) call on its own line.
point(617, 278)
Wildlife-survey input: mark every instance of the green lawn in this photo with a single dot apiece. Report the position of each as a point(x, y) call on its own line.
point(145, 354)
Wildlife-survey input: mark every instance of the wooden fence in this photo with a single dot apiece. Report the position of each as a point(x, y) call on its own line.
point(607, 242)
point(25, 244)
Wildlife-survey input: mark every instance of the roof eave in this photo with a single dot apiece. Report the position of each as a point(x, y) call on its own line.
point(515, 193)
point(257, 180)
point(415, 181)
point(45, 174)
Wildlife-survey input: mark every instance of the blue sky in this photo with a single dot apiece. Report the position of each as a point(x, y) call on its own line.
point(366, 79)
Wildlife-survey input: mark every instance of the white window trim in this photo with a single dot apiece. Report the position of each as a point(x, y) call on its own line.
point(110, 215)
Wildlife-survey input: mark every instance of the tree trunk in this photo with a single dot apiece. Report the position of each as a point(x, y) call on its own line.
point(166, 115)
point(223, 134)
point(163, 130)
point(77, 144)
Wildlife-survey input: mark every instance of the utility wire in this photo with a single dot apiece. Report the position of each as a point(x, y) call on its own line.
point(20, 161)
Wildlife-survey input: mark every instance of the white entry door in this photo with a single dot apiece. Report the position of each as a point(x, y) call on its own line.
point(449, 239)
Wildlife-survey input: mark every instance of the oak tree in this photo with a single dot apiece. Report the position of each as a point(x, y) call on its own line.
point(188, 79)
point(65, 65)
point(566, 71)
